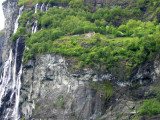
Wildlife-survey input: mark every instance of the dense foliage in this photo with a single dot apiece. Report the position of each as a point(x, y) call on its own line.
point(73, 3)
point(120, 36)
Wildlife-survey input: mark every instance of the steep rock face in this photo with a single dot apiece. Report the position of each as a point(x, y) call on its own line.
point(51, 91)
point(10, 9)
point(128, 99)
point(1, 45)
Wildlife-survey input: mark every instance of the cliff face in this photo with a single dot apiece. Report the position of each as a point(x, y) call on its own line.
point(52, 89)
point(2, 37)
point(10, 9)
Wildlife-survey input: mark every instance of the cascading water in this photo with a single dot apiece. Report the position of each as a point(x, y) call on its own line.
point(11, 83)
point(42, 7)
point(36, 8)
point(34, 27)
point(16, 23)
point(47, 6)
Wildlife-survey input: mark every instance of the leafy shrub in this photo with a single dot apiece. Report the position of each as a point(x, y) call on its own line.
point(20, 32)
point(150, 107)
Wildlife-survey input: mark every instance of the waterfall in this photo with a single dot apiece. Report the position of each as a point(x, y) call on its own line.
point(15, 113)
point(34, 27)
point(16, 23)
point(5, 78)
point(10, 82)
point(32, 31)
point(36, 8)
point(47, 6)
point(42, 7)
point(10, 85)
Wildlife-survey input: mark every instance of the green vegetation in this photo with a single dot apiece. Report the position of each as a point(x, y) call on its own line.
point(99, 117)
point(103, 88)
point(20, 32)
point(72, 3)
point(37, 109)
point(124, 38)
point(59, 101)
point(23, 118)
point(131, 42)
point(1, 33)
point(54, 104)
point(150, 107)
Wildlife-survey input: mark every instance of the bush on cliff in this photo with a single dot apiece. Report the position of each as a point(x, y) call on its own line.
point(150, 107)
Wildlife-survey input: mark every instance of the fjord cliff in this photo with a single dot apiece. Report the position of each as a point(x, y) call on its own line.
point(65, 61)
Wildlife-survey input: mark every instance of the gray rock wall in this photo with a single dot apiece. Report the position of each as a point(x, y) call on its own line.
point(10, 9)
point(51, 91)
point(1, 45)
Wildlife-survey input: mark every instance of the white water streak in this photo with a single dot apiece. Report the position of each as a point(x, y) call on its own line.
point(35, 29)
point(47, 6)
point(42, 7)
point(36, 8)
point(15, 113)
point(16, 23)
point(6, 77)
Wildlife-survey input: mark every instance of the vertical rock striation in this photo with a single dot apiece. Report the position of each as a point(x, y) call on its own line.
point(51, 91)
